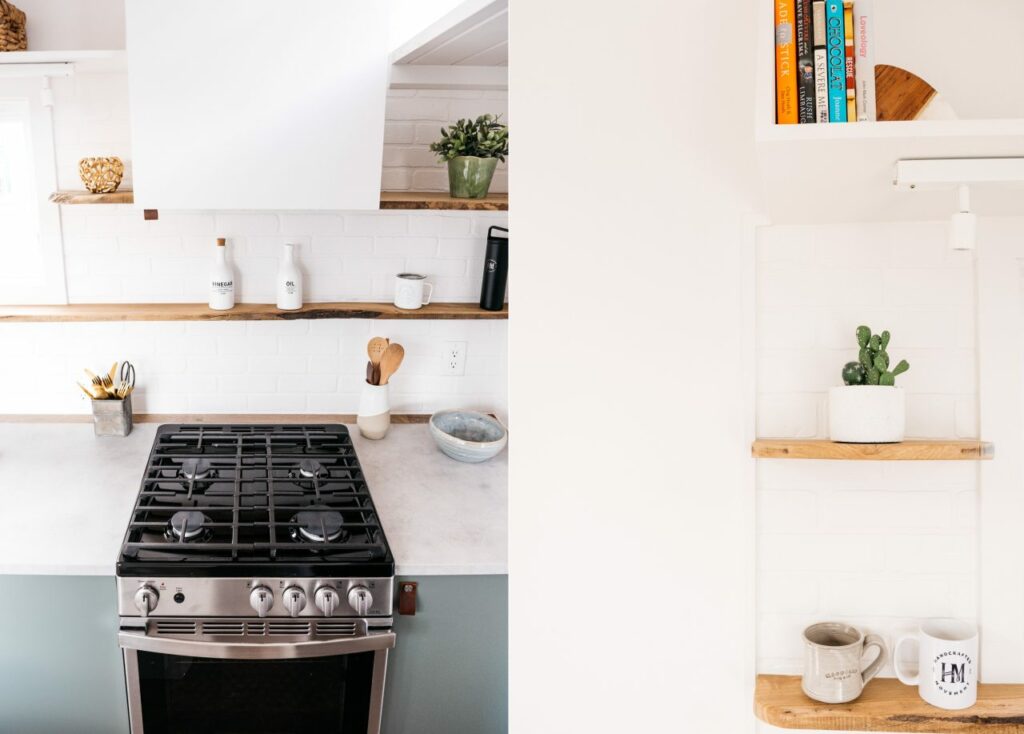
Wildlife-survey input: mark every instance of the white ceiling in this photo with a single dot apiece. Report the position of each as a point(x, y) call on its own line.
point(475, 34)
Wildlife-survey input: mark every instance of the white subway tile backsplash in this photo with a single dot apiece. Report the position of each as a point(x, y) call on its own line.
point(236, 224)
point(833, 552)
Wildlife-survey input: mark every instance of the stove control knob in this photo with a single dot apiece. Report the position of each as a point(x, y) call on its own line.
point(360, 599)
point(326, 599)
point(261, 599)
point(294, 600)
point(145, 599)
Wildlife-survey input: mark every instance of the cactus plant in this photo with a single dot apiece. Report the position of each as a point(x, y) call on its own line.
point(872, 365)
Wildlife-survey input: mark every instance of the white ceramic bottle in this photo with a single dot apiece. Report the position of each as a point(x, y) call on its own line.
point(289, 281)
point(222, 280)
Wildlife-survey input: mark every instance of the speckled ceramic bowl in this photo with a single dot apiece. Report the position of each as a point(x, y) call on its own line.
point(467, 436)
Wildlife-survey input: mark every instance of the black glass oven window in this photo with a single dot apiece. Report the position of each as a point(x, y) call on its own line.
point(186, 695)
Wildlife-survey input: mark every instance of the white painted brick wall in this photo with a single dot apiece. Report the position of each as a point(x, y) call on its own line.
point(875, 544)
point(113, 255)
point(256, 366)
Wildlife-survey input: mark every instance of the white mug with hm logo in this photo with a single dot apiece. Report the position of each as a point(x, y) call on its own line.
point(409, 289)
point(947, 673)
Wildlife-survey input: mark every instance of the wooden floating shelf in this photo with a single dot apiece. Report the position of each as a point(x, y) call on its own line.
point(388, 200)
point(888, 705)
point(85, 197)
point(241, 312)
point(910, 450)
point(439, 200)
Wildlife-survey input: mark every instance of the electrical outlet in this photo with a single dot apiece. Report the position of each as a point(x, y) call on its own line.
point(454, 358)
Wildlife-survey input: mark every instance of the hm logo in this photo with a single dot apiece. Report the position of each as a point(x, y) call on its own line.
point(953, 673)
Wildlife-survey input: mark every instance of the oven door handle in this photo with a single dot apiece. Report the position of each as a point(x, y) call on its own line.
point(256, 650)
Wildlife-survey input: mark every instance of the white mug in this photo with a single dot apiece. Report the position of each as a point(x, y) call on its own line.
point(947, 673)
point(833, 668)
point(409, 291)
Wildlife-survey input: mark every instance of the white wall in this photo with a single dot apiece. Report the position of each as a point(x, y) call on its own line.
point(631, 536)
point(113, 255)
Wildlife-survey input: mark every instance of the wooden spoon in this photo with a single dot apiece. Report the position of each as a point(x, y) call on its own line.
point(369, 372)
point(390, 362)
point(376, 348)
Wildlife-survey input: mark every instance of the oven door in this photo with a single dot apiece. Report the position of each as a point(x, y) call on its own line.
point(194, 684)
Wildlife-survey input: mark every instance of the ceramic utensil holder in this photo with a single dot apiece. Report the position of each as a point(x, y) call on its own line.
point(112, 417)
point(374, 417)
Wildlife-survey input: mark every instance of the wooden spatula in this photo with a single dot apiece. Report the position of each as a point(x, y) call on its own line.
point(390, 362)
point(375, 349)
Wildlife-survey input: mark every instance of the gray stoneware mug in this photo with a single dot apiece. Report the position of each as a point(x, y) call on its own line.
point(832, 661)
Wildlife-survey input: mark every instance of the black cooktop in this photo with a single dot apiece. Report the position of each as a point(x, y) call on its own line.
point(254, 500)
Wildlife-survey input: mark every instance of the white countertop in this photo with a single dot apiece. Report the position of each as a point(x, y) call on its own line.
point(67, 495)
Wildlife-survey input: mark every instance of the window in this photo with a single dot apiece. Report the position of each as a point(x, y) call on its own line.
point(31, 261)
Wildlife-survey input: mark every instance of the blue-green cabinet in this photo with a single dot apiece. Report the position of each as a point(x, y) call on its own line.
point(60, 665)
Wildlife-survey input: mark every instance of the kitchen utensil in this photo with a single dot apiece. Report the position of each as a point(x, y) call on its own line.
point(495, 278)
point(468, 436)
point(369, 373)
point(128, 374)
point(409, 291)
point(947, 673)
point(376, 375)
point(390, 362)
point(832, 661)
point(375, 349)
point(86, 391)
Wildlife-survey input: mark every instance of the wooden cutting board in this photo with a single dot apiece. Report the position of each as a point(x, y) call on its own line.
point(900, 94)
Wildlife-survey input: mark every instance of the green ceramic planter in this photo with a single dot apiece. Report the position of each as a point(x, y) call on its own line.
point(469, 177)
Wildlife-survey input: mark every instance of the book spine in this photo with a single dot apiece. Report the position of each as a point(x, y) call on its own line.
point(836, 47)
point(785, 63)
point(820, 61)
point(851, 79)
point(805, 61)
point(863, 14)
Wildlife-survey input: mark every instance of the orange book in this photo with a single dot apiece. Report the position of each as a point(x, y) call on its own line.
point(785, 63)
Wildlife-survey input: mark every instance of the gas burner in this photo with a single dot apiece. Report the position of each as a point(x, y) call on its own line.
point(188, 525)
point(310, 468)
point(319, 524)
point(195, 469)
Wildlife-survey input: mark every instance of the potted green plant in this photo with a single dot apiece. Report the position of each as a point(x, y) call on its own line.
point(869, 408)
point(472, 149)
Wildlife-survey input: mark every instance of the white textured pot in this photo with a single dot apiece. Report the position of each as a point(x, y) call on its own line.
point(867, 414)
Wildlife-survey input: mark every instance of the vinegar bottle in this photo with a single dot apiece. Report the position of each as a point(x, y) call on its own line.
point(222, 279)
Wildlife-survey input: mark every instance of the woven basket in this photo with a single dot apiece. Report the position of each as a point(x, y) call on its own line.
point(12, 28)
point(101, 175)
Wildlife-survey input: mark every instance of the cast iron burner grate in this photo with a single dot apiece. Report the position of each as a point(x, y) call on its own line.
point(281, 499)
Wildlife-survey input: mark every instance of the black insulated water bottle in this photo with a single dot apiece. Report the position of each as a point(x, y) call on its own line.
point(492, 291)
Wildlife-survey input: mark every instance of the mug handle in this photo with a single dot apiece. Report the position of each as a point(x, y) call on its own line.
point(872, 670)
point(430, 292)
point(909, 680)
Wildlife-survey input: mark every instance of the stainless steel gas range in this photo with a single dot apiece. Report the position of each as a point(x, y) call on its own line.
point(254, 585)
